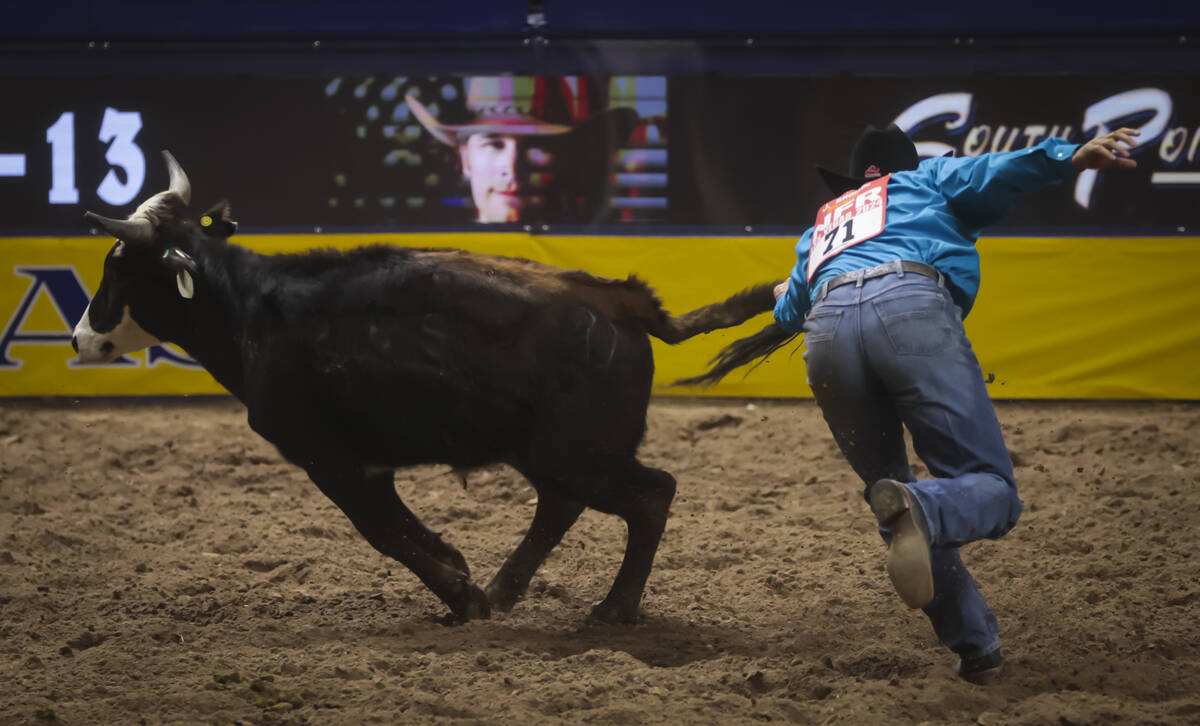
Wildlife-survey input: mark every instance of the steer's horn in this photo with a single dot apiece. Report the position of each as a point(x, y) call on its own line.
point(138, 230)
point(179, 181)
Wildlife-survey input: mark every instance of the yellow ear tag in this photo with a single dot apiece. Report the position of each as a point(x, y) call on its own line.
point(206, 221)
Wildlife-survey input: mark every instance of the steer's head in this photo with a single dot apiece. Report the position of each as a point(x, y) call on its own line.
point(149, 274)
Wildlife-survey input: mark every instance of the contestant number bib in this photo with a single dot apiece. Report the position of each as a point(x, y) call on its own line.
point(854, 217)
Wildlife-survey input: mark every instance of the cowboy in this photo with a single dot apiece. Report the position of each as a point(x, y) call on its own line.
point(512, 152)
point(881, 285)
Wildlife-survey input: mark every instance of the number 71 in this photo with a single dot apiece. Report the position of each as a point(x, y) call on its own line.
point(831, 235)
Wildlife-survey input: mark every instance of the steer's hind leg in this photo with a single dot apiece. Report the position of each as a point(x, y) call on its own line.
point(554, 516)
point(376, 510)
point(643, 500)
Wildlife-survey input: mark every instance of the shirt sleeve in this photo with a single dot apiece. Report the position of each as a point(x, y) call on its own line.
point(983, 189)
point(792, 306)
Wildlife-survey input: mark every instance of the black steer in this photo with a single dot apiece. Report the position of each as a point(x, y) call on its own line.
point(355, 363)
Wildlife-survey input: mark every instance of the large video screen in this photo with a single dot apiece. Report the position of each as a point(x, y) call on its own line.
point(386, 150)
point(367, 151)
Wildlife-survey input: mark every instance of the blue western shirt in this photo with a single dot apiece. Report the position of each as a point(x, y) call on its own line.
point(934, 215)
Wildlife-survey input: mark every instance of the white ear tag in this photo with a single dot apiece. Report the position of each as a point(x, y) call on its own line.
point(183, 280)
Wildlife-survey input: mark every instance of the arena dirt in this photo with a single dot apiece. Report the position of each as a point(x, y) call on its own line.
point(159, 563)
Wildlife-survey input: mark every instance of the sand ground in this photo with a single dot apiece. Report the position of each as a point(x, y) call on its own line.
point(159, 563)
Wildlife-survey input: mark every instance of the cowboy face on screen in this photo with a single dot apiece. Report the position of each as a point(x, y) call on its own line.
point(507, 175)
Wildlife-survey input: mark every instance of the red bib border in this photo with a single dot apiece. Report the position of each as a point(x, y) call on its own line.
point(856, 216)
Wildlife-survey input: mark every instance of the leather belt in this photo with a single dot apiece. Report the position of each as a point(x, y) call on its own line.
point(895, 267)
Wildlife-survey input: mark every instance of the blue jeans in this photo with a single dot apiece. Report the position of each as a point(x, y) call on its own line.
point(891, 351)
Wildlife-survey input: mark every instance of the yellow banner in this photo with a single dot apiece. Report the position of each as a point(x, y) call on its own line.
point(1055, 318)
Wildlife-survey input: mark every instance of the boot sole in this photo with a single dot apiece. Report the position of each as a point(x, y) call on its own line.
point(909, 565)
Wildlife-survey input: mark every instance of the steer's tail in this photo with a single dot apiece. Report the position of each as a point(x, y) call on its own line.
point(739, 353)
point(726, 314)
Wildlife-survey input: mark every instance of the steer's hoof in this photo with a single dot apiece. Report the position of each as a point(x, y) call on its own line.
point(470, 604)
point(609, 614)
point(478, 606)
point(453, 559)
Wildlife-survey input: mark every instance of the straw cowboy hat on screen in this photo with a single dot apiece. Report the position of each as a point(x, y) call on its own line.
point(533, 149)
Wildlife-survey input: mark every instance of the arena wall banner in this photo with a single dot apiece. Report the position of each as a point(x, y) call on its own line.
point(768, 134)
point(1121, 324)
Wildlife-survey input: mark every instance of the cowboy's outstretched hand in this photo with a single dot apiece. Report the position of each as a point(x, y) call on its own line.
point(781, 288)
point(1111, 149)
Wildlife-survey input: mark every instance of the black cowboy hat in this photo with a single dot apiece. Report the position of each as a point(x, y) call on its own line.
point(877, 152)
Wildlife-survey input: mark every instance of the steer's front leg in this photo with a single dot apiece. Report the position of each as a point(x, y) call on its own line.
point(415, 530)
point(377, 512)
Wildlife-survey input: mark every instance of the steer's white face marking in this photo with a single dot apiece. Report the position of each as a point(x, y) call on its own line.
point(126, 337)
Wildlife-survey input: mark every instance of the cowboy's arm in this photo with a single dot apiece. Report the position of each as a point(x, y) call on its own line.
point(983, 189)
point(791, 305)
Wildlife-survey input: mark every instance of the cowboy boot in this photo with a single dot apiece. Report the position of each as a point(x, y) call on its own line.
point(908, 562)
